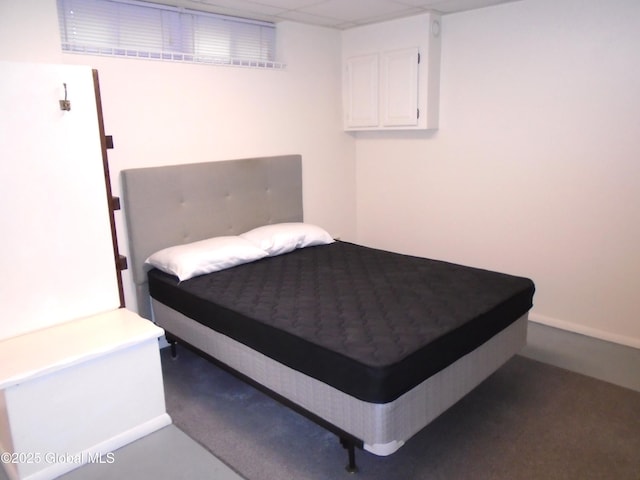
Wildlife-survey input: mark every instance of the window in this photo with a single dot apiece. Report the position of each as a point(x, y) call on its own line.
point(129, 28)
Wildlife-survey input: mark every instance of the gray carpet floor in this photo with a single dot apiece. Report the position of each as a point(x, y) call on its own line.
point(527, 421)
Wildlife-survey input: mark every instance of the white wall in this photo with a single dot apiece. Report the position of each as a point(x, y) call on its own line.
point(57, 255)
point(167, 113)
point(535, 169)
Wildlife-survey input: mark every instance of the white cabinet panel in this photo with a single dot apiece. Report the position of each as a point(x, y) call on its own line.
point(399, 88)
point(362, 85)
point(75, 391)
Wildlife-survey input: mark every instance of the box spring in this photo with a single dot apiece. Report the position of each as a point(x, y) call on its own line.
point(383, 428)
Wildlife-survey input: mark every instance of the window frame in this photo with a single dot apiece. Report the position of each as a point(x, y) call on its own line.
point(150, 31)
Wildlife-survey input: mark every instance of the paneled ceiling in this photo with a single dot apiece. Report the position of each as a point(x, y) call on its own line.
point(340, 14)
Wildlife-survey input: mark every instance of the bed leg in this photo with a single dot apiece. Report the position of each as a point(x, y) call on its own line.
point(351, 450)
point(172, 343)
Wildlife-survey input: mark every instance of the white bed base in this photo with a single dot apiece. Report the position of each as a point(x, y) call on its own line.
point(383, 428)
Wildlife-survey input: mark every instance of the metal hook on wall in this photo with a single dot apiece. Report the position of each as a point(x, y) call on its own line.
point(65, 104)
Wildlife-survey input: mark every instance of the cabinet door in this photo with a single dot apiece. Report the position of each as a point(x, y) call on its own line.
point(399, 88)
point(362, 91)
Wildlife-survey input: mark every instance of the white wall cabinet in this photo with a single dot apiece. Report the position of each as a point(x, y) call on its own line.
point(391, 77)
point(382, 89)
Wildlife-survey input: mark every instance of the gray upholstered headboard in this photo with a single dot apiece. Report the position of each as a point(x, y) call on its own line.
point(178, 204)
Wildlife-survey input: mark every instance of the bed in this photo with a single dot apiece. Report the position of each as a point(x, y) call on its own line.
point(372, 345)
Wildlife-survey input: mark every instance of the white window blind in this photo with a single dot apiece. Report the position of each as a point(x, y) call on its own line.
point(129, 28)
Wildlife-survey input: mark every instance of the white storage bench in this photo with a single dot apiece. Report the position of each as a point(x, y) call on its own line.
point(78, 390)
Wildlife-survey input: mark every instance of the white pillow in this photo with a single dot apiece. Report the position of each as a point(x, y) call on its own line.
point(280, 238)
point(206, 256)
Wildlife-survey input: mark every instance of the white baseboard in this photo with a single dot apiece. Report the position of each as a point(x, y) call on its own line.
point(583, 350)
point(583, 330)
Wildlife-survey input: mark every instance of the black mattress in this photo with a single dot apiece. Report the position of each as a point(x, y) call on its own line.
point(371, 323)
